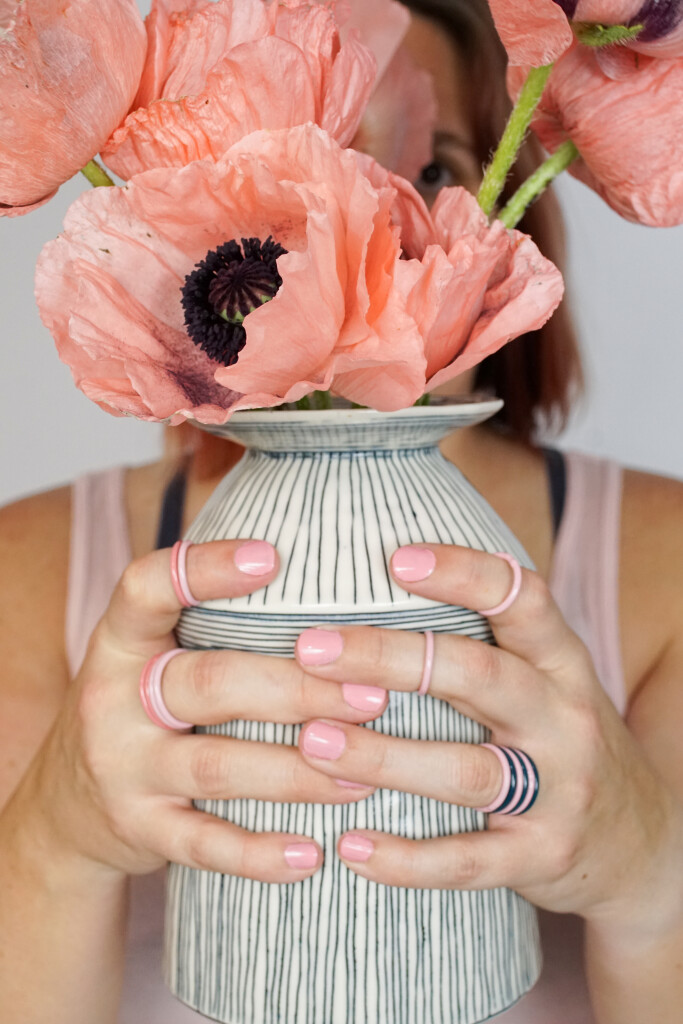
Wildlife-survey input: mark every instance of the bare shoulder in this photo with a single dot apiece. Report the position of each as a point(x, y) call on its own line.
point(651, 571)
point(34, 551)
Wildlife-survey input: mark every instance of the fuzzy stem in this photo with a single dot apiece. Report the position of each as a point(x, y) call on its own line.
point(423, 399)
point(563, 156)
point(512, 138)
point(95, 174)
point(303, 403)
point(322, 400)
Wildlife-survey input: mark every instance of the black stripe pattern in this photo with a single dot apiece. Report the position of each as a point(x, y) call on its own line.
point(336, 500)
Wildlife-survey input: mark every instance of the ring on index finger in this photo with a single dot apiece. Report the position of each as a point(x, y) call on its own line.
point(179, 574)
point(515, 586)
point(151, 696)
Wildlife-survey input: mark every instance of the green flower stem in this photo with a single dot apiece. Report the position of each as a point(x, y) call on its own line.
point(563, 156)
point(322, 400)
point(303, 403)
point(513, 137)
point(423, 400)
point(95, 174)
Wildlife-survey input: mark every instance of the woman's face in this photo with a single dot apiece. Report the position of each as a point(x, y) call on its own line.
point(455, 161)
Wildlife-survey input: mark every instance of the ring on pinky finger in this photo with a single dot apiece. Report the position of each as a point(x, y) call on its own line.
point(520, 783)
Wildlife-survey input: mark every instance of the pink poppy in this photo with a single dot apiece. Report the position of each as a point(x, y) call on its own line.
point(120, 295)
point(539, 31)
point(67, 78)
point(215, 72)
point(277, 271)
point(469, 286)
point(629, 131)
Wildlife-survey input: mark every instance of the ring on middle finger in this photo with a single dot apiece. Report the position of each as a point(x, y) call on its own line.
point(520, 783)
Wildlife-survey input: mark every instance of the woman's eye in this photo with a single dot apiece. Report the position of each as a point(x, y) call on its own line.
point(434, 176)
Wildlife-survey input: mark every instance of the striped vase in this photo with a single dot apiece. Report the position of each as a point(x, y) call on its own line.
point(336, 492)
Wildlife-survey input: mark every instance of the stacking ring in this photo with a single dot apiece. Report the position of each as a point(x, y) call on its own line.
point(519, 787)
point(514, 589)
point(179, 574)
point(150, 692)
point(428, 663)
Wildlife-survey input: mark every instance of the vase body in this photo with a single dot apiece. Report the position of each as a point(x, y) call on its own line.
point(337, 492)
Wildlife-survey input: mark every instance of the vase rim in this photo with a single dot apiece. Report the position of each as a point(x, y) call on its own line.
point(474, 404)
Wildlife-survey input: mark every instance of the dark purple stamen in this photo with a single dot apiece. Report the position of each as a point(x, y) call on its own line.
point(225, 287)
point(658, 18)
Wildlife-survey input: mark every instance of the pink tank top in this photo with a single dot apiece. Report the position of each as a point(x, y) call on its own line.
point(584, 581)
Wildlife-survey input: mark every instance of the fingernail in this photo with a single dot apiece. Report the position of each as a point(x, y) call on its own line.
point(351, 785)
point(356, 848)
point(319, 646)
point(324, 741)
point(364, 698)
point(255, 558)
point(411, 564)
point(301, 856)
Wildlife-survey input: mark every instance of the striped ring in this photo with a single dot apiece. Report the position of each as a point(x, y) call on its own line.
point(520, 784)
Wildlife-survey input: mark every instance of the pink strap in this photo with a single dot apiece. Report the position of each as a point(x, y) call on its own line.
point(514, 589)
point(151, 695)
point(428, 663)
point(505, 785)
point(179, 574)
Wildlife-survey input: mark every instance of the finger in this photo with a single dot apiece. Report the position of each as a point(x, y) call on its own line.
point(479, 679)
point(145, 607)
point(532, 627)
point(202, 841)
point(218, 686)
point(473, 860)
point(202, 767)
point(457, 773)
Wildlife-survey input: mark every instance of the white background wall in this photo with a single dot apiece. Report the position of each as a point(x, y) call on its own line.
point(627, 287)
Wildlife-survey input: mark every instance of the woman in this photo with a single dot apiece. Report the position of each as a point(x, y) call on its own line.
point(96, 795)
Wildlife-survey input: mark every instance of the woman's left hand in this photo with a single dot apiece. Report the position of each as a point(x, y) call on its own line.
point(601, 838)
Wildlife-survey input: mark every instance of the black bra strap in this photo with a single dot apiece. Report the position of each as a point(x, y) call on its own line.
point(171, 518)
point(556, 468)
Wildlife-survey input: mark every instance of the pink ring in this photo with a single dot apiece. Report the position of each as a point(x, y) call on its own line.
point(514, 589)
point(505, 785)
point(150, 692)
point(179, 574)
point(428, 664)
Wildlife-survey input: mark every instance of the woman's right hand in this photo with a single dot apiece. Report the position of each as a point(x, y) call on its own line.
point(117, 790)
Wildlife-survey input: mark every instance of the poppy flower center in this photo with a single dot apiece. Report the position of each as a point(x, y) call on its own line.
point(225, 287)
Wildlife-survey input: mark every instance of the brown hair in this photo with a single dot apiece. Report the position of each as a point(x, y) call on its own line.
point(538, 375)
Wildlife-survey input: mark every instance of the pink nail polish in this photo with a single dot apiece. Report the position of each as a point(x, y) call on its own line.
point(356, 848)
point(351, 785)
point(364, 698)
point(319, 646)
point(301, 856)
point(323, 741)
point(255, 557)
point(412, 564)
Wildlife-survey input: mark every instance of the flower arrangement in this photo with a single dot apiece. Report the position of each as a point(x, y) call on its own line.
point(254, 255)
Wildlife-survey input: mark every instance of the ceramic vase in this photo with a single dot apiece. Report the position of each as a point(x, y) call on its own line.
point(337, 492)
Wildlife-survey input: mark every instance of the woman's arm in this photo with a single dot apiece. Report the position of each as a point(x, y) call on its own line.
point(102, 792)
point(605, 837)
point(68, 913)
point(634, 961)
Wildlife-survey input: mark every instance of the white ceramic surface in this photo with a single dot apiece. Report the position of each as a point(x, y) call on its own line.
point(337, 492)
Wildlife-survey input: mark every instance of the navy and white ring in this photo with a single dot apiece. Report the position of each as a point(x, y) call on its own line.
point(520, 784)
